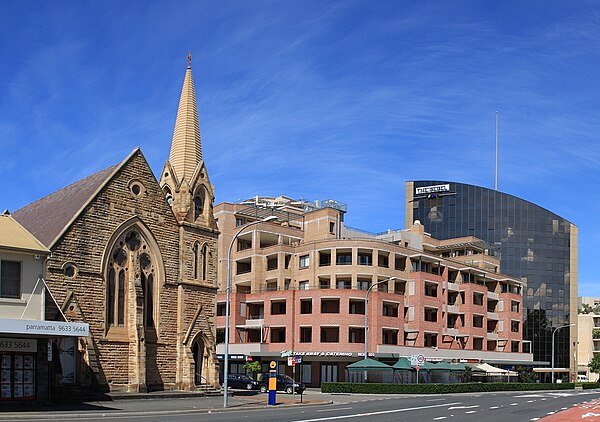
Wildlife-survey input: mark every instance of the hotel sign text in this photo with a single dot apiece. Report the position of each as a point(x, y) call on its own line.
point(432, 189)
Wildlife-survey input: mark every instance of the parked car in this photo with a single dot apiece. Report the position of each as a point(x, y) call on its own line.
point(242, 381)
point(284, 383)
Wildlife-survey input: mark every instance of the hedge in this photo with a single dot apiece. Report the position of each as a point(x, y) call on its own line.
point(589, 385)
point(374, 388)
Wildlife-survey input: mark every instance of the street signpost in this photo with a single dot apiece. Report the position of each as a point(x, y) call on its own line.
point(416, 361)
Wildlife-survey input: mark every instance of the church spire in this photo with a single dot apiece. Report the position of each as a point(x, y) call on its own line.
point(184, 179)
point(186, 148)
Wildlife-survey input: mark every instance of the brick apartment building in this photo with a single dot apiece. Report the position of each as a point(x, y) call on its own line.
point(299, 286)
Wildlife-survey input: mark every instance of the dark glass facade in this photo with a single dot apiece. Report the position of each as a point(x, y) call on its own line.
point(533, 244)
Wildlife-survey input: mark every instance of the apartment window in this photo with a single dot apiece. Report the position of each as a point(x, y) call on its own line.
point(390, 309)
point(304, 261)
point(10, 279)
point(277, 334)
point(253, 336)
point(303, 285)
point(324, 283)
point(504, 288)
point(278, 307)
point(514, 346)
point(305, 334)
point(383, 260)
point(324, 258)
point(330, 306)
point(286, 261)
point(478, 321)
point(356, 335)
point(399, 287)
point(431, 289)
point(514, 306)
point(343, 258)
point(343, 284)
point(365, 258)
point(478, 299)
point(220, 335)
point(306, 306)
point(477, 343)
point(431, 314)
point(330, 334)
point(271, 286)
point(400, 263)
point(514, 326)
point(389, 336)
point(221, 309)
point(272, 263)
point(431, 339)
point(331, 228)
point(363, 284)
point(239, 222)
point(287, 283)
point(256, 311)
point(357, 306)
point(244, 267)
point(243, 244)
point(383, 287)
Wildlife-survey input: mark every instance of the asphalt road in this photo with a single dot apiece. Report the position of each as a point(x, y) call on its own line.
point(501, 407)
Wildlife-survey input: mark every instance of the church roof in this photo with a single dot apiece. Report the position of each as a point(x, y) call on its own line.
point(48, 217)
point(186, 150)
point(14, 236)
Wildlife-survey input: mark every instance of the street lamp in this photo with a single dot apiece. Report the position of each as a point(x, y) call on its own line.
point(227, 298)
point(554, 332)
point(367, 310)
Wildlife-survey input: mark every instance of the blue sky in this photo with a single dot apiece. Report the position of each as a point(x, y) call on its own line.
point(312, 99)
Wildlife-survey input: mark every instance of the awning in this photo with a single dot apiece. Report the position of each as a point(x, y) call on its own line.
point(369, 365)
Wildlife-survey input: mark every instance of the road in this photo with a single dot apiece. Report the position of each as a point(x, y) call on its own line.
point(501, 407)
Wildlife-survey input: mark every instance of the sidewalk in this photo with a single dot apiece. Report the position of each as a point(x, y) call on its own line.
point(163, 402)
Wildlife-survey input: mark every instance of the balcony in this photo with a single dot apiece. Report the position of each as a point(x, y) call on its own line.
point(451, 309)
point(493, 315)
point(492, 336)
point(255, 322)
point(492, 295)
point(453, 287)
point(450, 332)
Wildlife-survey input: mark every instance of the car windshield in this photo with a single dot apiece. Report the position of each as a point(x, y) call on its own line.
point(245, 377)
point(288, 378)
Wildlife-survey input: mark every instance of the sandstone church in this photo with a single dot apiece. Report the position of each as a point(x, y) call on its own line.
point(136, 258)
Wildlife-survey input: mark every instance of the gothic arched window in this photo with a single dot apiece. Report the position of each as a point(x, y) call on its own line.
point(204, 261)
point(198, 205)
point(196, 252)
point(130, 256)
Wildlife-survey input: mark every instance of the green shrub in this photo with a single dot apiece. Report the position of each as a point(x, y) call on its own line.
point(345, 387)
point(589, 385)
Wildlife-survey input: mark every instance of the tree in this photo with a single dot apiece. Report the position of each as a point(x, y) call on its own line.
point(594, 364)
point(252, 367)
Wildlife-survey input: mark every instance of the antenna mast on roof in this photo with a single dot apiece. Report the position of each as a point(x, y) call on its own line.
point(496, 178)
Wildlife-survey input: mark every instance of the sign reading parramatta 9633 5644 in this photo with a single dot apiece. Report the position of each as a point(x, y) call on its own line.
point(44, 328)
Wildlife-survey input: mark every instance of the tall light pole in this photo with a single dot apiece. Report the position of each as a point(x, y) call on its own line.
point(227, 299)
point(367, 310)
point(554, 332)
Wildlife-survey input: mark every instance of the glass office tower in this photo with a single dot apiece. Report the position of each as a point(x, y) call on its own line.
point(533, 244)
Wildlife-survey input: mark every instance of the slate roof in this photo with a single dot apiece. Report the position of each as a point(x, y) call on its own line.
point(47, 217)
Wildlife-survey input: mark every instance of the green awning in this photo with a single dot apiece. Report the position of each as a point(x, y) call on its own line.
point(368, 365)
point(403, 364)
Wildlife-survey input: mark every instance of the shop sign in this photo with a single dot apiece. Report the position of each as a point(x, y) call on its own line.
point(288, 353)
point(432, 189)
point(18, 345)
point(44, 328)
point(233, 357)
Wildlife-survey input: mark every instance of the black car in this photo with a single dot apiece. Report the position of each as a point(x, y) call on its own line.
point(284, 383)
point(242, 381)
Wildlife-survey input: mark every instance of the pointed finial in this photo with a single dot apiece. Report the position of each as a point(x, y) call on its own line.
point(189, 59)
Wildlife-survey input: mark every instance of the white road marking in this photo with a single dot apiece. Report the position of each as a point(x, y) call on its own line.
point(514, 404)
point(439, 418)
point(435, 399)
point(463, 407)
point(472, 411)
point(495, 407)
point(550, 413)
point(534, 419)
point(383, 412)
point(333, 410)
point(530, 401)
